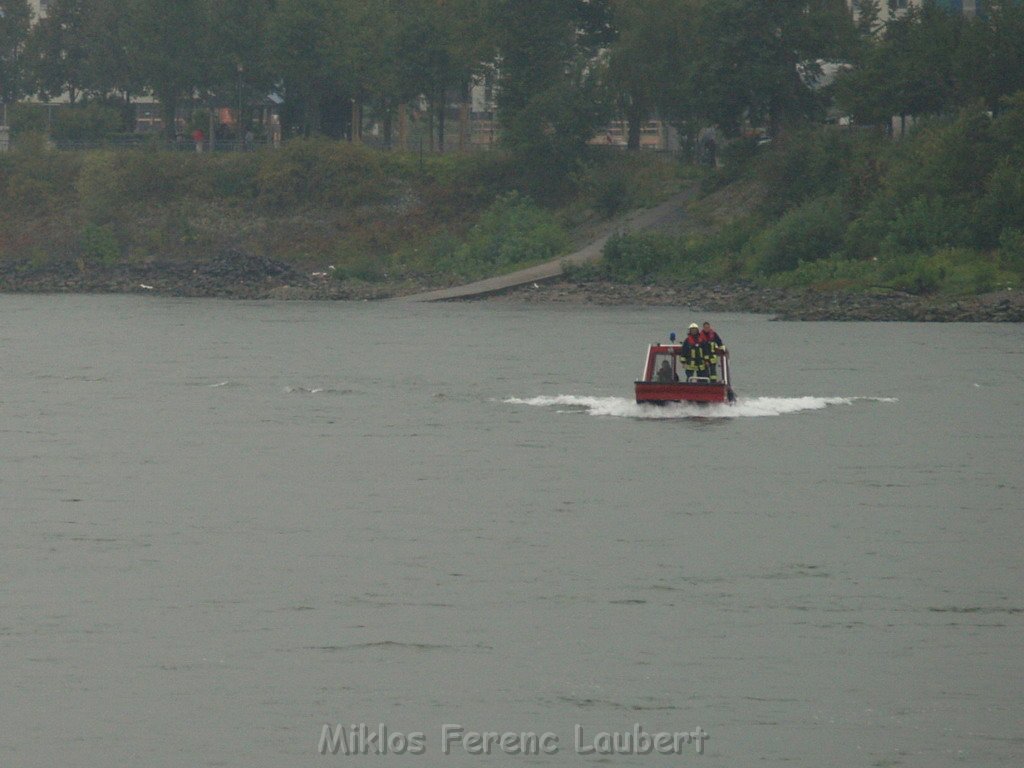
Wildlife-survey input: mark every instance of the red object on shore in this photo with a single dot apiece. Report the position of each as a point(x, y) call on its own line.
point(664, 379)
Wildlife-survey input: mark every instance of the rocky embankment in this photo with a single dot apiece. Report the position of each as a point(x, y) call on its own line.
point(237, 275)
point(231, 275)
point(783, 303)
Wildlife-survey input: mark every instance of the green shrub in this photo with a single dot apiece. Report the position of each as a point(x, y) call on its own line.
point(738, 155)
point(35, 177)
point(864, 234)
point(611, 195)
point(30, 194)
point(728, 244)
point(451, 169)
point(950, 270)
point(582, 272)
point(99, 243)
point(808, 233)
point(832, 273)
point(632, 258)
point(99, 187)
point(147, 176)
point(964, 270)
point(1002, 205)
point(615, 181)
point(802, 165)
point(224, 176)
point(320, 172)
point(1011, 250)
point(645, 256)
point(951, 184)
point(112, 180)
point(91, 122)
point(362, 266)
point(438, 250)
point(511, 232)
point(174, 225)
point(927, 223)
point(28, 118)
point(911, 273)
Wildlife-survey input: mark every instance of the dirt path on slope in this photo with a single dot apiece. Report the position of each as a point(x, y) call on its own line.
point(665, 214)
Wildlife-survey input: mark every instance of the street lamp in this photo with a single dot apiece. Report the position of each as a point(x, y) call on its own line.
point(4, 129)
point(238, 118)
point(3, 122)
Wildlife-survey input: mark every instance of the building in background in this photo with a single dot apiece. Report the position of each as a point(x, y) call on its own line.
point(890, 8)
point(966, 7)
point(39, 9)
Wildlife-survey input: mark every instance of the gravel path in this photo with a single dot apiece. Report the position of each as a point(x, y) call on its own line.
point(666, 214)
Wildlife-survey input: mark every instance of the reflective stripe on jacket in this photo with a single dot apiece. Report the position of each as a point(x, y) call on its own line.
point(712, 343)
point(692, 353)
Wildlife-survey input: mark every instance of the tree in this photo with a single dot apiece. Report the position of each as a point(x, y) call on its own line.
point(110, 64)
point(911, 71)
point(235, 41)
point(372, 61)
point(550, 100)
point(651, 60)
point(435, 48)
point(924, 45)
point(170, 56)
point(307, 51)
point(540, 43)
point(868, 17)
point(15, 17)
point(761, 62)
point(237, 38)
point(427, 66)
point(57, 49)
point(472, 49)
point(633, 65)
point(990, 62)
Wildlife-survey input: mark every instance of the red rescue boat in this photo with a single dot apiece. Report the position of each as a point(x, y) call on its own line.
point(664, 379)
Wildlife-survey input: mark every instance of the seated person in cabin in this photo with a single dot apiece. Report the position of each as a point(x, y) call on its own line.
point(664, 374)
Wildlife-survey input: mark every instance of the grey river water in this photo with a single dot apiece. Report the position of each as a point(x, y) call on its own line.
point(227, 525)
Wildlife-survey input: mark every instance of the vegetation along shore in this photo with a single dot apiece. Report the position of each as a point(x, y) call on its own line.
point(804, 198)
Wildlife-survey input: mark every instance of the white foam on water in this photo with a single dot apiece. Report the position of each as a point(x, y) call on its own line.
point(304, 390)
point(743, 407)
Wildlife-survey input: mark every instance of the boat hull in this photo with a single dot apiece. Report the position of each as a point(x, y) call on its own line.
point(682, 392)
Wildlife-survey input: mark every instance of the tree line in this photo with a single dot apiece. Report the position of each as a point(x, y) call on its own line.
point(561, 67)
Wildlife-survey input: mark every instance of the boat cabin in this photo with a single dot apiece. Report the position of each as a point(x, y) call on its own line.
point(664, 379)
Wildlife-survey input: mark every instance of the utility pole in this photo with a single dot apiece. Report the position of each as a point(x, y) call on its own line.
point(357, 120)
point(5, 131)
point(238, 118)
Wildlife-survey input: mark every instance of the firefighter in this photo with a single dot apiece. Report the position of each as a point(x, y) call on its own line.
point(711, 346)
point(692, 352)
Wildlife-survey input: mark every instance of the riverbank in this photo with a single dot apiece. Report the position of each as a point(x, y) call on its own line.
point(229, 275)
point(235, 275)
point(781, 303)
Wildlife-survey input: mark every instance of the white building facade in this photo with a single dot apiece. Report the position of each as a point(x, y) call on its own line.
point(38, 8)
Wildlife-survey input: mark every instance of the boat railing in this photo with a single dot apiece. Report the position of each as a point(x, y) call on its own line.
point(723, 371)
